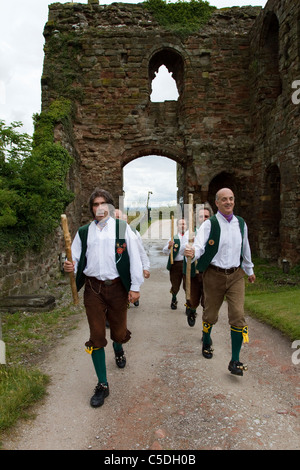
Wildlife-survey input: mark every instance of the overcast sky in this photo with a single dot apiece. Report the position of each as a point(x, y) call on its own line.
point(21, 61)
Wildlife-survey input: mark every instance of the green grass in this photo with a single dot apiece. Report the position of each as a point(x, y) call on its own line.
point(28, 336)
point(19, 388)
point(275, 298)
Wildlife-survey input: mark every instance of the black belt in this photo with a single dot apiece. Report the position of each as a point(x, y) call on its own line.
point(108, 282)
point(222, 270)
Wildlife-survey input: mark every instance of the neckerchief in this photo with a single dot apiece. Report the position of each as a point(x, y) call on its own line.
point(227, 217)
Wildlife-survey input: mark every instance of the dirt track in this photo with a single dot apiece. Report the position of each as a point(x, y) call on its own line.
point(168, 397)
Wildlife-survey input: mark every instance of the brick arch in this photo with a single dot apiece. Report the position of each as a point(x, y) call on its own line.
point(172, 153)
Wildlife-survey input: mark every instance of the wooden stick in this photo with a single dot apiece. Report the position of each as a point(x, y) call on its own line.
point(67, 238)
point(189, 260)
point(172, 239)
point(2, 346)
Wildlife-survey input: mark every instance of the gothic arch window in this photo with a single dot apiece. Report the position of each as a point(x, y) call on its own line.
point(271, 86)
point(170, 61)
point(163, 86)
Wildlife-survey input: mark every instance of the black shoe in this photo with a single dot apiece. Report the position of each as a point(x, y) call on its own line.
point(137, 303)
point(191, 317)
point(237, 368)
point(120, 359)
point(101, 391)
point(174, 305)
point(207, 351)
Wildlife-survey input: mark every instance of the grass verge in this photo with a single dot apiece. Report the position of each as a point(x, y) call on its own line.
point(28, 336)
point(19, 388)
point(275, 298)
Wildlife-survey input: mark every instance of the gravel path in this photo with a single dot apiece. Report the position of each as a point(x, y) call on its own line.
point(168, 397)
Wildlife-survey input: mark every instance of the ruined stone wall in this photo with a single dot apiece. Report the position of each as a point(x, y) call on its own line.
point(234, 123)
point(104, 58)
point(22, 276)
point(275, 123)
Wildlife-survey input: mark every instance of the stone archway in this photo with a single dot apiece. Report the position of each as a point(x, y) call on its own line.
point(154, 174)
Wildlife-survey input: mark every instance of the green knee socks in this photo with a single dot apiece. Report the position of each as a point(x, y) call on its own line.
point(117, 347)
point(237, 337)
point(98, 357)
point(206, 328)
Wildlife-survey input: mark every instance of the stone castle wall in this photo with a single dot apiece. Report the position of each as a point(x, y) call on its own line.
point(111, 54)
point(34, 270)
point(234, 123)
point(275, 125)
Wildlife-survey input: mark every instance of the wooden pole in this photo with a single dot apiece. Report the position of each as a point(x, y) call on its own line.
point(172, 239)
point(189, 260)
point(67, 238)
point(2, 346)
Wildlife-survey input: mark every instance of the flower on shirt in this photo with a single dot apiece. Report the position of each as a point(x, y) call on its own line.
point(121, 248)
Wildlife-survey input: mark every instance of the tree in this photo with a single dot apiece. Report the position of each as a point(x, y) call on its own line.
point(33, 191)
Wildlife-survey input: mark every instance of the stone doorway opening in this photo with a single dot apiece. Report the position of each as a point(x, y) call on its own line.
point(150, 189)
point(152, 179)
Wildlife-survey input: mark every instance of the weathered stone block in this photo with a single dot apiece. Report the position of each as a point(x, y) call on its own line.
point(30, 303)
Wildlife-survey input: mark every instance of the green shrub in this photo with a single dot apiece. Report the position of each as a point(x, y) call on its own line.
point(33, 191)
point(182, 17)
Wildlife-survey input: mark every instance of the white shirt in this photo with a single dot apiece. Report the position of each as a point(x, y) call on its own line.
point(228, 255)
point(100, 254)
point(183, 240)
point(144, 257)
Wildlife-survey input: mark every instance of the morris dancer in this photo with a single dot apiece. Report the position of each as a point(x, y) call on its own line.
point(223, 255)
point(176, 269)
point(107, 261)
point(196, 290)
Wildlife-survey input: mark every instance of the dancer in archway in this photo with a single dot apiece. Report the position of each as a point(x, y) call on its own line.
point(176, 269)
point(144, 257)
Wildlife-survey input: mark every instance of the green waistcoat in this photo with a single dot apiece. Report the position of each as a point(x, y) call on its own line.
point(121, 255)
point(212, 245)
point(176, 248)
